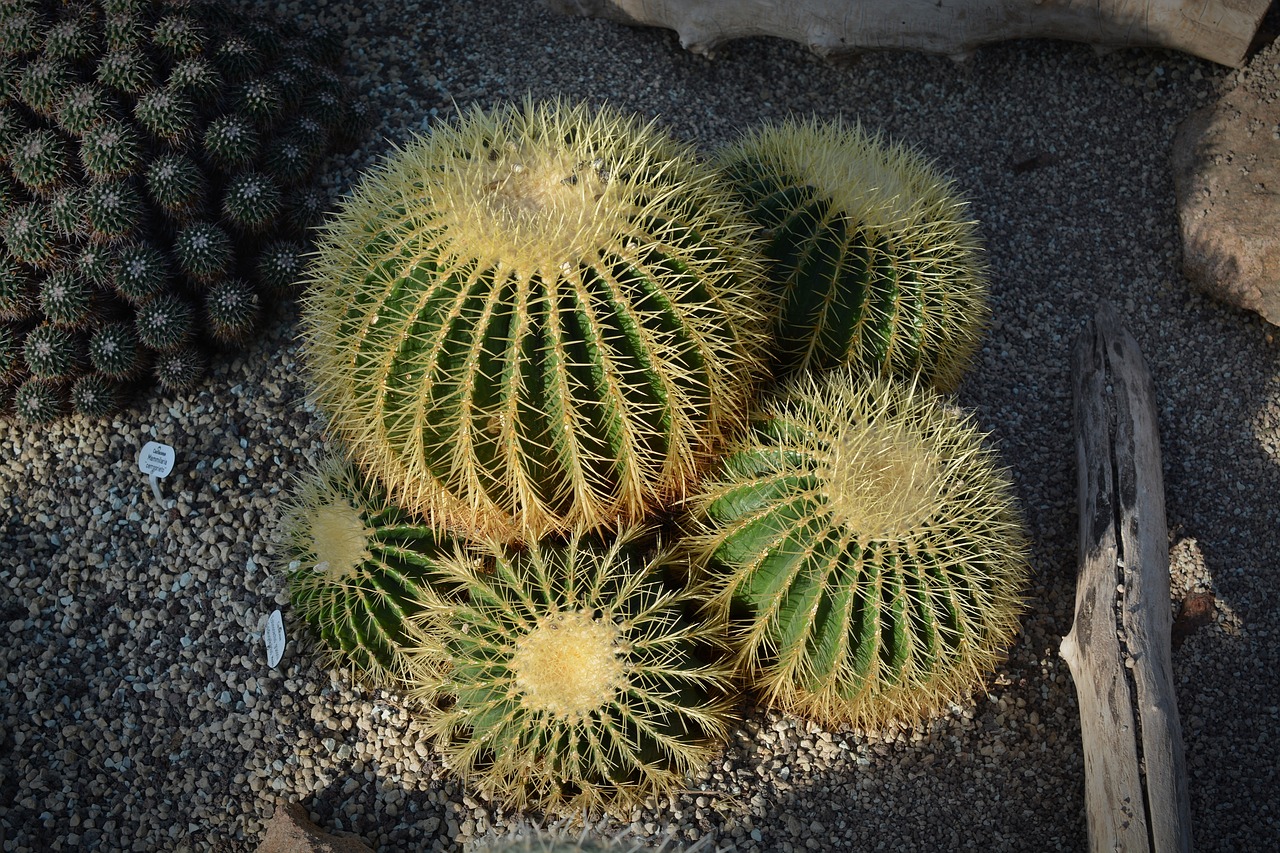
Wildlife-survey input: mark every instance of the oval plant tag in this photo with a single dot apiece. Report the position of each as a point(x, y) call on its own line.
point(156, 459)
point(273, 636)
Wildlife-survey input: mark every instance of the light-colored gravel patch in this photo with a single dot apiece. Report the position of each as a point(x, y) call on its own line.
point(137, 711)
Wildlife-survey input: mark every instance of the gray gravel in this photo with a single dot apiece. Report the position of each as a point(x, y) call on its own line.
point(136, 706)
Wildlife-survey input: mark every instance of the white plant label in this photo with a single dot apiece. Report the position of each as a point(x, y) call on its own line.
point(273, 636)
point(156, 461)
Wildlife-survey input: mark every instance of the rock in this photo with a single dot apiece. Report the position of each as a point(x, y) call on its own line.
point(1226, 173)
point(291, 831)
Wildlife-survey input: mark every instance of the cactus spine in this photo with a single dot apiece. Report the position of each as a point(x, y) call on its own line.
point(869, 249)
point(873, 545)
point(536, 319)
point(575, 678)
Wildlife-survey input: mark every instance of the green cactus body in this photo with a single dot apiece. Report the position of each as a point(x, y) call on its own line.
point(231, 141)
point(17, 296)
point(28, 234)
point(140, 272)
point(70, 40)
point(12, 128)
point(39, 161)
point(869, 549)
point(82, 108)
point(358, 568)
point(261, 101)
point(95, 264)
point(112, 210)
point(537, 319)
point(179, 36)
point(231, 307)
point(196, 77)
point(110, 150)
point(576, 680)
point(21, 31)
point(42, 83)
point(180, 369)
point(96, 396)
point(165, 113)
point(66, 211)
point(115, 351)
point(251, 202)
point(39, 401)
point(304, 204)
point(165, 323)
point(11, 360)
point(204, 251)
point(67, 299)
point(176, 183)
point(52, 352)
point(869, 251)
point(280, 265)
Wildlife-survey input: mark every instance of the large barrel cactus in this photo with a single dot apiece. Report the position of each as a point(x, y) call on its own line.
point(536, 318)
point(867, 547)
point(575, 679)
point(358, 568)
point(869, 250)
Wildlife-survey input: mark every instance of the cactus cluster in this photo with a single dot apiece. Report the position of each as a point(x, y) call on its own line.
point(542, 330)
point(149, 154)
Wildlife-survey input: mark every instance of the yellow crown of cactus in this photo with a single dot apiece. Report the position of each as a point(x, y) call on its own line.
point(535, 319)
point(573, 678)
point(869, 548)
point(868, 248)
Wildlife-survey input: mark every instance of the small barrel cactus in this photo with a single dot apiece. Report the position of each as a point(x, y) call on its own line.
point(358, 568)
point(869, 250)
point(573, 680)
point(136, 137)
point(869, 549)
point(535, 319)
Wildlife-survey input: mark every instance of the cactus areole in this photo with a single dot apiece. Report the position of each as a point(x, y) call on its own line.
point(536, 318)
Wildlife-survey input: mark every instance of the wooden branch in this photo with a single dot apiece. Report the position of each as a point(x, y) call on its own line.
point(1118, 648)
point(1218, 30)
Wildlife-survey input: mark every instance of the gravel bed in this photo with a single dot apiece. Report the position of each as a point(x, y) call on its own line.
point(137, 711)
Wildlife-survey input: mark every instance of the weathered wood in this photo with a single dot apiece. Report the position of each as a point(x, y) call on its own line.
point(1218, 30)
point(1118, 649)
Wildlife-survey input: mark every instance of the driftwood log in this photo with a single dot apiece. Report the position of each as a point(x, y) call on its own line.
point(1218, 30)
point(1118, 648)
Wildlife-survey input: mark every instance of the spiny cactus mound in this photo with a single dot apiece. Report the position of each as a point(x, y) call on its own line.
point(358, 568)
point(538, 318)
point(530, 840)
point(869, 250)
point(147, 150)
point(574, 679)
point(867, 547)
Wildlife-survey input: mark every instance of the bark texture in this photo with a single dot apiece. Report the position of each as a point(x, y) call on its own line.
point(1217, 30)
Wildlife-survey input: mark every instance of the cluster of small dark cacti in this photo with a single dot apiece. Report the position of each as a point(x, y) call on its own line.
point(543, 333)
point(155, 158)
